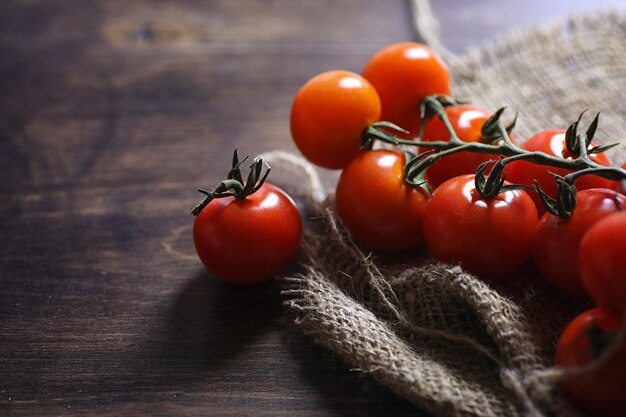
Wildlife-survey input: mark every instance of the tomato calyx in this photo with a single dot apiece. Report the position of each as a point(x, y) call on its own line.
point(234, 185)
point(576, 144)
point(579, 144)
point(489, 186)
point(564, 203)
point(494, 130)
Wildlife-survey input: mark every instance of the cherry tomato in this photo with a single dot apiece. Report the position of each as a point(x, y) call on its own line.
point(602, 262)
point(329, 114)
point(489, 237)
point(552, 142)
point(600, 392)
point(403, 74)
point(379, 209)
point(557, 240)
point(467, 122)
point(248, 241)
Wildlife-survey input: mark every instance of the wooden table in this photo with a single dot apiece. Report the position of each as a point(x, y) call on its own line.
point(112, 113)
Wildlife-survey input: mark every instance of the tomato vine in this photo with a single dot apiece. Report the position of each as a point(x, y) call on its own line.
point(498, 143)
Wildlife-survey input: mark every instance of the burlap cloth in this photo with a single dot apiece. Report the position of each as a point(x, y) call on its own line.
point(448, 342)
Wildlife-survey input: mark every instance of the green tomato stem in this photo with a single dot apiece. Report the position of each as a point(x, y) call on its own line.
point(507, 148)
point(234, 186)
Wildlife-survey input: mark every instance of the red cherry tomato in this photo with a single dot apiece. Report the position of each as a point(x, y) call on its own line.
point(552, 142)
point(403, 74)
point(557, 240)
point(467, 122)
point(329, 114)
point(379, 209)
point(489, 237)
point(600, 392)
point(248, 241)
point(602, 262)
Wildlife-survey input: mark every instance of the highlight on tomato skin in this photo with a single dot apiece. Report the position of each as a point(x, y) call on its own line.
point(558, 240)
point(380, 210)
point(601, 391)
point(552, 142)
point(248, 241)
point(467, 121)
point(403, 74)
point(329, 114)
point(602, 262)
point(490, 237)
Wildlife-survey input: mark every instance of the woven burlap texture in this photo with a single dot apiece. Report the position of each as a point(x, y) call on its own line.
point(447, 341)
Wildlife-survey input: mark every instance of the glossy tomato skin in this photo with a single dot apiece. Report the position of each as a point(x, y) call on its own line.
point(488, 237)
point(329, 114)
point(250, 240)
point(600, 392)
point(602, 262)
point(379, 209)
point(552, 142)
point(403, 74)
point(557, 240)
point(467, 122)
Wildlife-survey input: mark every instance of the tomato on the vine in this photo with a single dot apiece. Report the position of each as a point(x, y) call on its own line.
point(248, 241)
point(329, 114)
point(602, 262)
point(557, 240)
point(552, 142)
point(403, 74)
point(490, 237)
point(599, 392)
point(380, 210)
point(467, 122)
point(246, 231)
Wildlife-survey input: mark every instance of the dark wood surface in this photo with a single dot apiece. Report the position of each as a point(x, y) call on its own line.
point(112, 113)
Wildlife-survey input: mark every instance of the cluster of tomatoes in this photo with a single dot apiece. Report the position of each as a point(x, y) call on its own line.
point(246, 231)
point(491, 236)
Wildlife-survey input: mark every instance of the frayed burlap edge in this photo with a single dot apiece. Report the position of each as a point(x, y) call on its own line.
point(439, 337)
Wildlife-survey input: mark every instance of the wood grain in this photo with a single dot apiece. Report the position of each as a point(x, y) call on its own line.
point(112, 113)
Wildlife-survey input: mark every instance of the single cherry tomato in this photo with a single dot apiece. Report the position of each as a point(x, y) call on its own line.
point(557, 240)
point(467, 122)
point(381, 211)
point(403, 74)
point(489, 237)
point(602, 262)
point(599, 392)
point(552, 142)
point(247, 241)
point(329, 114)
